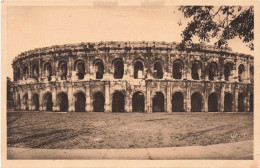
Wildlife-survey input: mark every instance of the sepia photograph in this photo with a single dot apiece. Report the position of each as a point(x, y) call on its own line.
point(122, 82)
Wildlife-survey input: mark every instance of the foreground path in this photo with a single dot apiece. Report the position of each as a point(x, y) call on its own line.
point(237, 150)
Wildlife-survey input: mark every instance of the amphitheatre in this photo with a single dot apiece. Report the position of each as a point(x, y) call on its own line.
point(133, 77)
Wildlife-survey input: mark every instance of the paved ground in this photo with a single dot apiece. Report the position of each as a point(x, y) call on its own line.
point(235, 151)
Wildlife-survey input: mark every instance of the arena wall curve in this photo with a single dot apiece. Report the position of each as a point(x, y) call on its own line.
point(133, 77)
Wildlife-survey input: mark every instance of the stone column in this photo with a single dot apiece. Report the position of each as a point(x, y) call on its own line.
point(235, 106)
point(205, 98)
point(168, 97)
point(235, 72)
point(71, 107)
point(188, 100)
point(222, 98)
point(54, 99)
point(88, 108)
point(148, 98)
point(30, 102)
point(107, 97)
point(40, 99)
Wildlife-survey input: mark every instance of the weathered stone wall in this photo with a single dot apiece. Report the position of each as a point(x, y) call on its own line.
point(43, 76)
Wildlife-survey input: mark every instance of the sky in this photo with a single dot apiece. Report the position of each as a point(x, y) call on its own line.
point(34, 27)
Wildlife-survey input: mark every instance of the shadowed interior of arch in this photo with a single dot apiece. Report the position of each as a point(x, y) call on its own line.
point(177, 102)
point(213, 102)
point(158, 102)
point(35, 102)
point(80, 102)
point(63, 101)
point(228, 99)
point(138, 102)
point(98, 102)
point(118, 102)
point(196, 102)
point(47, 102)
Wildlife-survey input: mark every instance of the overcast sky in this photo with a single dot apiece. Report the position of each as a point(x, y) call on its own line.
point(34, 27)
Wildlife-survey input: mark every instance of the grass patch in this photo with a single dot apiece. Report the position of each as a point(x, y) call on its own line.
point(127, 130)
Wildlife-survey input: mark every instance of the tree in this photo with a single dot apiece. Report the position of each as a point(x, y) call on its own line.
point(221, 23)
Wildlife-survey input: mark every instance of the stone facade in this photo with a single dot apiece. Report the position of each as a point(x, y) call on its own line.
point(133, 77)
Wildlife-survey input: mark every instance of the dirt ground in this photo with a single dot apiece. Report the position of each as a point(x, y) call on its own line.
point(125, 130)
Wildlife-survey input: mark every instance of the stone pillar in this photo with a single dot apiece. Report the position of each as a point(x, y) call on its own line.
point(40, 99)
point(235, 106)
point(188, 99)
point(206, 95)
point(168, 98)
point(71, 107)
point(88, 108)
point(54, 99)
point(235, 72)
point(128, 104)
point(107, 97)
point(30, 102)
point(222, 98)
point(148, 98)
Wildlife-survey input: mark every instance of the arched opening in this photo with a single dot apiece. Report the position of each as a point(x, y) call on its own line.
point(138, 70)
point(158, 102)
point(228, 99)
point(213, 102)
point(241, 73)
point(35, 72)
point(35, 100)
point(25, 72)
point(196, 102)
point(138, 102)
point(63, 70)
point(196, 70)
point(227, 71)
point(80, 102)
point(213, 68)
point(98, 102)
point(63, 102)
point(158, 70)
point(177, 102)
point(48, 71)
point(25, 102)
point(99, 69)
point(80, 69)
point(177, 70)
point(251, 102)
point(241, 105)
point(47, 102)
point(118, 102)
point(118, 69)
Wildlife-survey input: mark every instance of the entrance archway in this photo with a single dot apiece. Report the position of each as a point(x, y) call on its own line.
point(213, 102)
point(25, 102)
point(138, 102)
point(35, 99)
point(98, 102)
point(177, 102)
point(48, 102)
point(158, 102)
point(241, 105)
point(251, 102)
point(80, 102)
point(118, 102)
point(228, 99)
point(63, 101)
point(196, 102)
